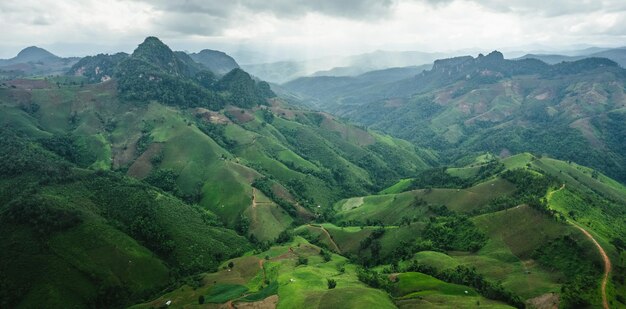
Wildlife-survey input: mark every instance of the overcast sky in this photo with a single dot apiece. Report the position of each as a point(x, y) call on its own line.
point(310, 28)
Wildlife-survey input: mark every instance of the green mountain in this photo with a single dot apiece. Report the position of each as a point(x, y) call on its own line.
point(107, 175)
point(77, 237)
point(465, 105)
point(497, 233)
point(99, 68)
point(149, 180)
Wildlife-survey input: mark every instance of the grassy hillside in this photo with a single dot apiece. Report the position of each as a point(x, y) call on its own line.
point(116, 238)
point(529, 246)
point(296, 274)
point(391, 208)
point(202, 180)
point(212, 158)
point(415, 289)
point(287, 276)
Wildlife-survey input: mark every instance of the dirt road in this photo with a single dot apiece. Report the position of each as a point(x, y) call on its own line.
point(332, 242)
point(607, 264)
point(253, 198)
point(605, 257)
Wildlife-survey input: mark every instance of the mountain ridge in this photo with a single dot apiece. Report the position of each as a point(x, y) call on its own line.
point(465, 97)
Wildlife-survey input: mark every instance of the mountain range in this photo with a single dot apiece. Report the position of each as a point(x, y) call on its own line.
point(162, 178)
point(489, 103)
point(616, 54)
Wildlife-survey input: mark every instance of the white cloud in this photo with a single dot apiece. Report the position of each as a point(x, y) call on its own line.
point(303, 27)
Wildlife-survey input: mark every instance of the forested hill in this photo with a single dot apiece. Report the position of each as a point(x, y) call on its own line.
point(466, 105)
point(132, 172)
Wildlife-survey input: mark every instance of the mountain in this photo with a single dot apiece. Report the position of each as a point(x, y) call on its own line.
point(127, 187)
point(154, 72)
point(153, 52)
point(147, 180)
point(216, 61)
point(552, 58)
point(568, 110)
point(616, 54)
point(329, 87)
point(443, 71)
point(32, 54)
point(99, 68)
point(34, 61)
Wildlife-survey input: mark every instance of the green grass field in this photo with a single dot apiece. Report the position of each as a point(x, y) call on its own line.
point(301, 286)
point(398, 187)
point(391, 208)
point(417, 284)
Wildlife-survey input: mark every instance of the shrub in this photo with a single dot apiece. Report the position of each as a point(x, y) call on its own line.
point(326, 255)
point(302, 261)
point(331, 283)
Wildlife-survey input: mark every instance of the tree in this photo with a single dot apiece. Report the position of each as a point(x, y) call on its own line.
point(242, 225)
point(326, 255)
point(331, 283)
point(302, 261)
point(201, 299)
point(284, 237)
point(268, 116)
point(375, 248)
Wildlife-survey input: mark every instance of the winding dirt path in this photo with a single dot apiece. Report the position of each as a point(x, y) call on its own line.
point(607, 263)
point(605, 257)
point(332, 242)
point(261, 262)
point(557, 190)
point(253, 197)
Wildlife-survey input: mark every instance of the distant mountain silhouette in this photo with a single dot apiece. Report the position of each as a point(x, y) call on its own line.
point(216, 61)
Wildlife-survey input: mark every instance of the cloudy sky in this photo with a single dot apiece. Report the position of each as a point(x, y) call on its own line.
point(309, 28)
